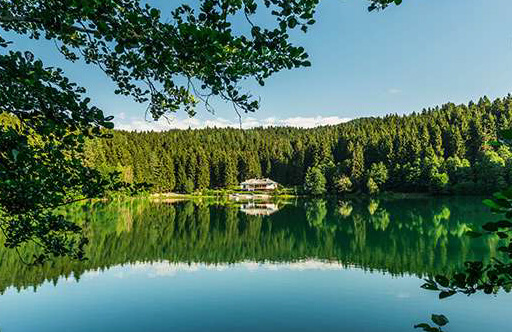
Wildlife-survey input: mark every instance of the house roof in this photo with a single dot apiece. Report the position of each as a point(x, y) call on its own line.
point(258, 182)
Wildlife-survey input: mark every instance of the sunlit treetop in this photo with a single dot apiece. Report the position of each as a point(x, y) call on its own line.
point(382, 4)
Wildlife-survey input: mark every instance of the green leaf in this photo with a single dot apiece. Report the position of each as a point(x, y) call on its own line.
point(504, 224)
point(504, 203)
point(292, 22)
point(506, 134)
point(440, 320)
point(422, 325)
point(425, 327)
point(507, 193)
point(503, 249)
point(460, 279)
point(442, 280)
point(502, 235)
point(119, 48)
point(500, 195)
point(490, 226)
point(492, 204)
point(108, 125)
point(473, 234)
point(445, 294)
point(154, 12)
point(494, 226)
point(429, 286)
point(494, 143)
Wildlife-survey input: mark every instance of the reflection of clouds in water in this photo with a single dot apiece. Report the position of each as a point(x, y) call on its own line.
point(168, 269)
point(91, 274)
point(165, 269)
point(313, 265)
point(249, 266)
point(162, 269)
point(296, 266)
point(159, 269)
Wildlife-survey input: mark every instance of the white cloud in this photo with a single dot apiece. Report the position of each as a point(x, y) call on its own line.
point(304, 122)
point(250, 122)
point(394, 91)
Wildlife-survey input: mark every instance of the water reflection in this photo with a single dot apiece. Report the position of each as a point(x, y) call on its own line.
point(414, 237)
point(171, 269)
point(299, 265)
point(259, 209)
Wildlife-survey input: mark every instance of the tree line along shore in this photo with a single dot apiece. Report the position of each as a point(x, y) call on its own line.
point(440, 150)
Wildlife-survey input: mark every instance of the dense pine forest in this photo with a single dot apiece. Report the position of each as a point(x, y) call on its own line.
point(439, 150)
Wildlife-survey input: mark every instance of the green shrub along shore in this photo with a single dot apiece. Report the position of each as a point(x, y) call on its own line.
point(282, 193)
point(234, 193)
point(441, 150)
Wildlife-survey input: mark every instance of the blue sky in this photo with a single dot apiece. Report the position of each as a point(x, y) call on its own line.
point(420, 54)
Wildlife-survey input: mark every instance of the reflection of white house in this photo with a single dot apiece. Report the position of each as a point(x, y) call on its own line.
point(259, 209)
point(259, 184)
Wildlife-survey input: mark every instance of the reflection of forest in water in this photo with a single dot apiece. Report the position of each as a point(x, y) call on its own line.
point(419, 237)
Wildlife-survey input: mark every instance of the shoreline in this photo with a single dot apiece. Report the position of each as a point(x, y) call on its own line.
point(269, 196)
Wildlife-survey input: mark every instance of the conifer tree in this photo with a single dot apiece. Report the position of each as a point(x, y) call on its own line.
point(182, 181)
point(314, 182)
point(168, 179)
point(203, 171)
point(357, 162)
point(229, 172)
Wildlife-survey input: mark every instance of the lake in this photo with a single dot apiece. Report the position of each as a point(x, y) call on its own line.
point(300, 265)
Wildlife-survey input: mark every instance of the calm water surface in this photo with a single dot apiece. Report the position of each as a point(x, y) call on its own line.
point(300, 266)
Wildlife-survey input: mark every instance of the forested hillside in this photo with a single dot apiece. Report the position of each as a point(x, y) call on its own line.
point(439, 150)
